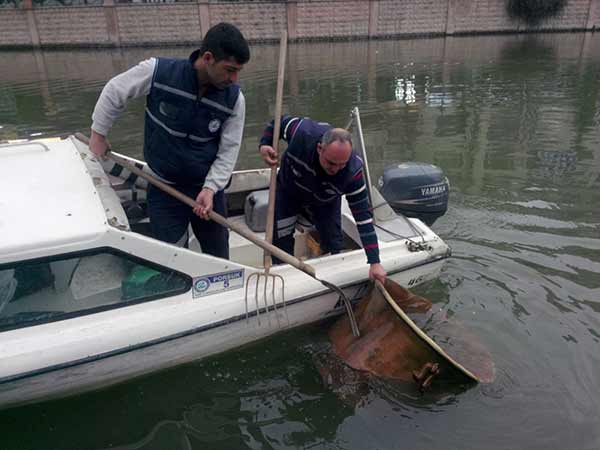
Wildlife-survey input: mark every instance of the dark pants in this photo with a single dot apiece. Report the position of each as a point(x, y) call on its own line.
point(325, 216)
point(169, 219)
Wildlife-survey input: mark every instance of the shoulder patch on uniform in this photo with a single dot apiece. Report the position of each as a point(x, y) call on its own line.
point(214, 125)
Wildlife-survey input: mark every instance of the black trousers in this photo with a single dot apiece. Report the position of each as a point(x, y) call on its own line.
point(170, 218)
point(289, 202)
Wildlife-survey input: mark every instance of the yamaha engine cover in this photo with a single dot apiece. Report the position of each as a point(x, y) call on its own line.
point(416, 190)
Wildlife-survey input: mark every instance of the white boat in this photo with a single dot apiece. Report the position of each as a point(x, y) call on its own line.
point(88, 300)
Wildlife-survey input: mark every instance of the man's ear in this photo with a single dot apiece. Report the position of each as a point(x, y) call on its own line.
point(319, 148)
point(208, 57)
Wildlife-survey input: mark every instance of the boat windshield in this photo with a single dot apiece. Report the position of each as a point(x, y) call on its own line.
point(34, 292)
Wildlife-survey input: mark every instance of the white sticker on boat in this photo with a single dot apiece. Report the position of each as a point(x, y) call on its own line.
point(218, 282)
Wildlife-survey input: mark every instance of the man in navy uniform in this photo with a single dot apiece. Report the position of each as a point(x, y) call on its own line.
point(194, 121)
point(318, 167)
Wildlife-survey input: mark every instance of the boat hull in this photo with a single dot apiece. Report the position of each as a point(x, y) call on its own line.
point(120, 365)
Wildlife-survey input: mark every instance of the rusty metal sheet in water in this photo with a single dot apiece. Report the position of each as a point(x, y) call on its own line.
point(392, 346)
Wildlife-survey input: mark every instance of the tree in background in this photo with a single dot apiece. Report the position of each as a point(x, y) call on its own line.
point(535, 11)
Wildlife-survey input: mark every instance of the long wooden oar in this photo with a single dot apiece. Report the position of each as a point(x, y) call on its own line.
point(282, 255)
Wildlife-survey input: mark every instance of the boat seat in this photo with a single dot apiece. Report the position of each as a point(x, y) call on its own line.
point(63, 273)
point(98, 275)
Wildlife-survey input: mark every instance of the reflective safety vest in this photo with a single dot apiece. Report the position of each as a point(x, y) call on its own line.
point(182, 130)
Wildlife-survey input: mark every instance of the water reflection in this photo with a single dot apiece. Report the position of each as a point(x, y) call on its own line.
point(243, 400)
point(405, 90)
point(513, 121)
point(481, 111)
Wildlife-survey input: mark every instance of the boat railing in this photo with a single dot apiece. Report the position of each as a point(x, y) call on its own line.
point(358, 140)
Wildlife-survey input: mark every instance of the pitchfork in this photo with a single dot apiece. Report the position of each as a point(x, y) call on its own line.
point(239, 229)
point(266, 276)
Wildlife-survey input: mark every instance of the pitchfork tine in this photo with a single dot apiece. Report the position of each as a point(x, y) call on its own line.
point(283, 300)
point(266, 280)
point(256, 298)
point(246, 296)
point(274, 282)
point(277, 281)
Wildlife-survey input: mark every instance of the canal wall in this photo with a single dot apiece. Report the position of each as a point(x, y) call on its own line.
point(28, 23)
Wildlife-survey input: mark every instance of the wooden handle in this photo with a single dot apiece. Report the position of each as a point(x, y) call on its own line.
point(285, 257)
point(267, 246)
point(276, 129)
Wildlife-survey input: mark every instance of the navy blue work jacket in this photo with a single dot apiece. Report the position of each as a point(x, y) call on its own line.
point(183, 129)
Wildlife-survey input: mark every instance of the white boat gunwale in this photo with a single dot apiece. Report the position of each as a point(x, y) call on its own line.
point(160, 296)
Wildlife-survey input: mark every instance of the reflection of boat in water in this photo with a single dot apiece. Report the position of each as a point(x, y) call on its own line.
point(88, 299)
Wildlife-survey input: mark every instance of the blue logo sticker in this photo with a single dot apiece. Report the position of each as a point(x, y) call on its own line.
point(201, 285)
point(218, 282)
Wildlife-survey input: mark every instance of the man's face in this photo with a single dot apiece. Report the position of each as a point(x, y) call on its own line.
point(334, 156)
point(221, 74)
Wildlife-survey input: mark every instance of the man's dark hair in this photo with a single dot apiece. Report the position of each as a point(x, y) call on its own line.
point(224, 41)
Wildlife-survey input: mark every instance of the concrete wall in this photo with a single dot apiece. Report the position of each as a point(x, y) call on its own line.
point(177, 23)
point(186, 22)
point(332, 19)
point(257, 20)
point(14, 27)
point(84, 26)
point(397, 17)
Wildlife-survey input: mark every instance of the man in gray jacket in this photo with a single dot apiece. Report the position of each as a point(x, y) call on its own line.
point(193, 130)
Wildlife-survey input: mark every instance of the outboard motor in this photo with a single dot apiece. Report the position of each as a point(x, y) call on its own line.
point(416, 190)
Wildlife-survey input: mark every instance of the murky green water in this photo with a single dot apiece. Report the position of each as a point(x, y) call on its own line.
point(514, 123)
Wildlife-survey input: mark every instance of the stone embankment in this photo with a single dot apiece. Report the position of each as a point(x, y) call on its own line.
point(30, 23)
